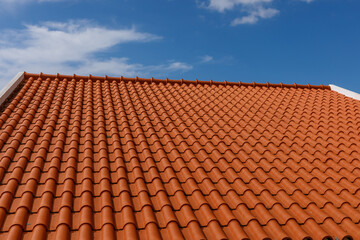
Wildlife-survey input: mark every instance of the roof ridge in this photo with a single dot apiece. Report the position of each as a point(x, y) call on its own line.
point(181, 81)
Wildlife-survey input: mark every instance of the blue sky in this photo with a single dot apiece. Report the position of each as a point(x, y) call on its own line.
point(302, 41)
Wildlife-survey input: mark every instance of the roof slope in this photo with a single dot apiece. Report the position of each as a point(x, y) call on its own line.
point(86, 157)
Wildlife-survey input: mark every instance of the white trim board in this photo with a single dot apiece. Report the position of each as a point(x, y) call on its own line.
point(10, 87)
point(345, 92)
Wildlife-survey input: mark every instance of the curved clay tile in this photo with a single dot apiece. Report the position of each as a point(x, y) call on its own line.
point(85, 157)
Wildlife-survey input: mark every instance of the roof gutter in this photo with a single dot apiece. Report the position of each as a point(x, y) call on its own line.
point(345, 92)
point(10, 87)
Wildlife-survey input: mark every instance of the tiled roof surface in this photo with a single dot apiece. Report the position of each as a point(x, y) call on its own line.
point(107, 158)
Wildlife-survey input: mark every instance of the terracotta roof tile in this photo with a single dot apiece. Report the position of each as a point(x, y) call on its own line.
point(112, 158)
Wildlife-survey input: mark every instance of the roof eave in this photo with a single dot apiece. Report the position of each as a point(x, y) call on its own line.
point(345, 92)
point(11, 86)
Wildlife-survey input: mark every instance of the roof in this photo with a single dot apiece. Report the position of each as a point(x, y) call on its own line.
point(87, 157)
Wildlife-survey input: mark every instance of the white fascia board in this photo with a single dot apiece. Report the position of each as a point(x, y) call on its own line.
point(10, 87)
point(345, 92)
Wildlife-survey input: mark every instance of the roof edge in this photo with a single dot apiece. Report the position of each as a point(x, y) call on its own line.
point(181, 81)
point(345, 92)
point(11, 86)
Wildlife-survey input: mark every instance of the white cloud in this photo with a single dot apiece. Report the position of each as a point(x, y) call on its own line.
point(26, 1)
point(121, 66)
point(206, 58)
point(254, 16)
point(174, 66)
point(255, 9)
point(222, 5)
point(13, 5)
point(72, 47)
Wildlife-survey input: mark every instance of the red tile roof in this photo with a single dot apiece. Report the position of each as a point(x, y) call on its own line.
point(106, 158)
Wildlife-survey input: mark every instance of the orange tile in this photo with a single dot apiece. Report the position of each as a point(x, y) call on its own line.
point(113, 158)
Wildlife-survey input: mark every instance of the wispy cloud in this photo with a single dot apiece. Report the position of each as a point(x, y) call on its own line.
point(26, 1)
point(254, 9)
point(222, 5)
point(255, 15)
point(73, 47)
point(206, 59)
point(12, 5)
point(173, 66)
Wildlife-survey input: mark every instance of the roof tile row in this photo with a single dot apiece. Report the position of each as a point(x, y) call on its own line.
point(113, 158)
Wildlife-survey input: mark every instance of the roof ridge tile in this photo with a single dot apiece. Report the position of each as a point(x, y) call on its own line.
point(182, 81)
